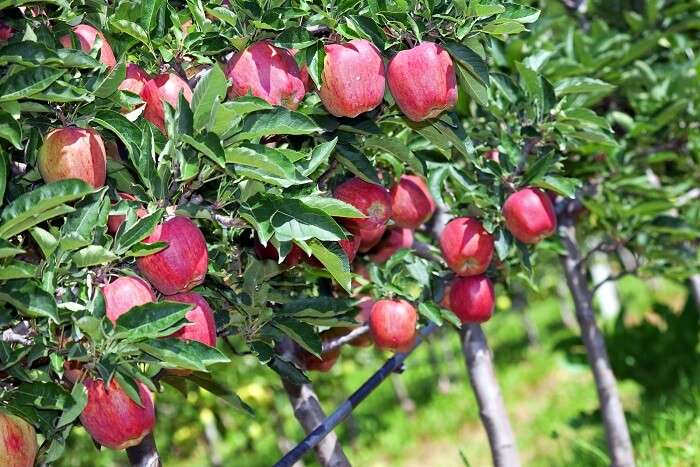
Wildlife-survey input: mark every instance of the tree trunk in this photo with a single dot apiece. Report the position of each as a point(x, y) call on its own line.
point(144, 454)
point(492, 410)
point(616, 431)
point(308, 411)
point(695, 289)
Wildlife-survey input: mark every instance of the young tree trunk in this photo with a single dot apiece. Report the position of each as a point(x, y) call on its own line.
point(492, 410)
point(616, 431)
point(695, 289)
point(308, 411)
point(144, 454)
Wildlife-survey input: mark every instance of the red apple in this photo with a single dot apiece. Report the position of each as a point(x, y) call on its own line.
point(373, 201)
point(6, 32)
point(135, 80)
point(113, 419)
point(86, 35)
point(472, 298)
point(324, 364)
point(182, 265)
point(125, 293)
point(73, 370)
point(493, 155)
point(165, 87)
point(530, 215)
point(411, 202)
point(73, 152)
point(18, 446)
point(422, 81)
point(303, 73)
point(353, 78)
point(203, 327)
point(393, 324)
point(466, 246)
point(116, 220)
point(270, 252)
point(394, 240)
point(445, 301)
point(267, 72)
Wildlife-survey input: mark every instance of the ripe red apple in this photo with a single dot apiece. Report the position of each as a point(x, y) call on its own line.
point(6, 32)
point(113, 419)
point(86, 35)
point(445, 301)
point(373, 201)
point(394, 240)
point(353, 78)
point(165, 87)
point(267, 72)
point(411, 202)
point(125, 293)
point(18, 446)
point(303, 73)
point(203, 327)
point(73, 370)
point(182, 265)
point(472, 298)
point(422, 81)
point(324, 364)
point(73, 152)
point(530, 215)
point(270, 252)
point(393, 324)
point(115, 221)
point(135, 80)
point(466, 246)
point(493, 155)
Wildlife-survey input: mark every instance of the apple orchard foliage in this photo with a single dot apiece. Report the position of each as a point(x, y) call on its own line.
point(234, 135)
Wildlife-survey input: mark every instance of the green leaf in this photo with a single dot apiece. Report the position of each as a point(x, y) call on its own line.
point(79, 228)
point(470, 60)
point(278, 121)
point(26, 82)
point(29, 299)
point(209, 145)
point(8, 250)
point(145, 249)
point(331, 206)
point(42, 395)
point(504, 26)
point(132, 29)
point(582, 85)
point(520, 13)
point(4, 172)
point(398, 149)
point(142, 228)
point(10, 130)
point(334, 261)
point(29, 207)
point(46, 241)
point(108, 85)
point(565, 186)
point(185, 354)
point(269, 160)
point(74, 408)
point(431, 311)
point(302, 333)
point(17, 270)
point(210, 90)
point(357, 163)
point(205, 381)
point(93, 255)
point(151, 320)
point(319, 155)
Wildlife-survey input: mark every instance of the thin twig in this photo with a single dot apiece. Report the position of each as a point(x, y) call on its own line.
point(349, 337)
point(325, 176)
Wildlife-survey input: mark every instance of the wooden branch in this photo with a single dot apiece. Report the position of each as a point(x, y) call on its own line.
point(347, 338)
point(492, 410)
point(144, 454)
point(21, 333)
point(695, 289)
point(616, 431)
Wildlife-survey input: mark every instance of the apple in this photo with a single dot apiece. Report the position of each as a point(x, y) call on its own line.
point(182, 265)
point(422, 81)
point(394, 240)
point(324, 364)
point(411, 202)
point(6, 32)
point(466, 246)
point(113, 419)
point(73, 152)
point(116, 220)
point(445, 300)
point(353, 78)
point(165, 87)
point(18, 445)
point(267, 72)
point(303, 73)
point(392, 324)
point(86, 35)
point(530, 215)
point(125, 293)
point(270, 252)
point(112, 150)
point(136, 79)
point(203, 327)
point(73, 370)
point(373, 201)
point(472, 298)
point(493, 155)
